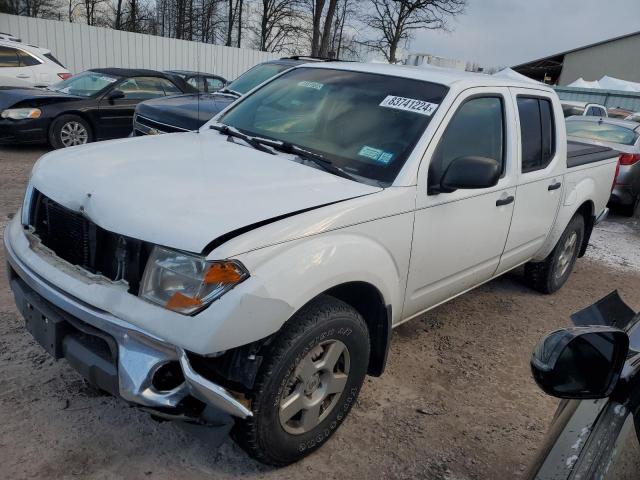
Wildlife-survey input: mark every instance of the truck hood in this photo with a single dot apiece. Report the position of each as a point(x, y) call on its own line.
point(189, 111)
point(184, 190)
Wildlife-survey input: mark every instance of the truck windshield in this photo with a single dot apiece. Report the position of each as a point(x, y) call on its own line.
point(602, 132)
point(255, 76)
point(365, 124)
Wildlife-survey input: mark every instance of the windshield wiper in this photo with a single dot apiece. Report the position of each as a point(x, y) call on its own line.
point(316, 158)
point(263, 145)
point(230, 92)
point(230, 132)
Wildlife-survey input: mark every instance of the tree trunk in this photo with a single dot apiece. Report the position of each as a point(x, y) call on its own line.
point(118, 22)
point(326, 32)
point(240, 5)
point(315, 36)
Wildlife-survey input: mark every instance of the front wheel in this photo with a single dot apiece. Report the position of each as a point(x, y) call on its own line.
point(310, 378)
point(69, 131)
point(551, 274)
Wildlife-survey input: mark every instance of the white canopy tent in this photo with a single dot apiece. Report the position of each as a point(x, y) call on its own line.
point(607, 83)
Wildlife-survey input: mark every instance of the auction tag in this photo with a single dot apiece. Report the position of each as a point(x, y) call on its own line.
point(409, 105)
point(314, 85)
point(375, 154)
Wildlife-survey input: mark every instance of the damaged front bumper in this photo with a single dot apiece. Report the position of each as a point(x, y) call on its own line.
point(114, 355)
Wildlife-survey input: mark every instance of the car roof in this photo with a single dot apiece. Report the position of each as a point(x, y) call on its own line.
point(444, 76)
point(611, 121)
point(191, 72)
point(130, 72)
point(24, 46)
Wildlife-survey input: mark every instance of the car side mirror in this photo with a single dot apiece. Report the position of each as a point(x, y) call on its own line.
point(580, 362)
point(469, 173)
point(115, 95)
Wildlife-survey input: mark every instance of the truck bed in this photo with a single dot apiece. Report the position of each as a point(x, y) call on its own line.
point(582, 153)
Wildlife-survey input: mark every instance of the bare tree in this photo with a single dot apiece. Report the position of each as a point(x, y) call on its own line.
point(396, 20)
point(279, 25)
point(89, 10)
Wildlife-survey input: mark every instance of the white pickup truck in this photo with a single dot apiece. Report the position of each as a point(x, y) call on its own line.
point(257, 267)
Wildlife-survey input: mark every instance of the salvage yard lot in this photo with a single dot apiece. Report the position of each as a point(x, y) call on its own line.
point(457, 400)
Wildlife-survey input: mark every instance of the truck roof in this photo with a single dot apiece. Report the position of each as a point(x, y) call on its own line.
point(443, 76)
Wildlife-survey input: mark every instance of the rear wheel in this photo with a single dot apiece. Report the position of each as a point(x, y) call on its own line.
point(551, 274)
point(69, 131)
point(310, 379)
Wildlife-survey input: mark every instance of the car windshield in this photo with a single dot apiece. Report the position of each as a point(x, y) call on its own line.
point(85, 84)
point(363, 123)
point(571, 110)
point(602, 132)
point(255, 76)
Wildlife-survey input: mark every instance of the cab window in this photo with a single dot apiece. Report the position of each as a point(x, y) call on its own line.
point(537, 131)
point(476, 129)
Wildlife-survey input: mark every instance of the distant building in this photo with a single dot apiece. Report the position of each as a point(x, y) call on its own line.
point(617, 57)
point(427, 58)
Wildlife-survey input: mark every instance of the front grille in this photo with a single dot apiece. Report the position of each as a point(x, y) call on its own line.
point(145, 126)
point(77, 240)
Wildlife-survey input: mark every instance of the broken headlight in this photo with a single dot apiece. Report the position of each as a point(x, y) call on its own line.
point(187, 283)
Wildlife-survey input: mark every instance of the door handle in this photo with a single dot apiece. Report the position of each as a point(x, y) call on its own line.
point(505, 201)
point(554, 186)
point(22, 75)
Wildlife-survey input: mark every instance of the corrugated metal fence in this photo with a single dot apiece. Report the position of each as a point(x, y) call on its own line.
point(608, 98)
point(80, 47)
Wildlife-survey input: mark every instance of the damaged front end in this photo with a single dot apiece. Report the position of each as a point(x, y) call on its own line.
point(121, 359)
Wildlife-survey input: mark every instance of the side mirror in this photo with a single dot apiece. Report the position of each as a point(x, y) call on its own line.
point(580, 362)
point(115, 95)
point(468, 173)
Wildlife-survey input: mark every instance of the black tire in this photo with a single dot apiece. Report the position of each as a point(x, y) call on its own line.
point(323, 321)
point(551, 274)
point(63, 122)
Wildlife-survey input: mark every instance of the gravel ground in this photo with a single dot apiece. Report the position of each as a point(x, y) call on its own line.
point(457, 400)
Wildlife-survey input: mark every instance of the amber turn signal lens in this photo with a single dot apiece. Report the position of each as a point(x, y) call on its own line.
point(178, 301)
point(223, 273)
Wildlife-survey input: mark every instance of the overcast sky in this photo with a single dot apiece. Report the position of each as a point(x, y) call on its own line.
point(509, 32)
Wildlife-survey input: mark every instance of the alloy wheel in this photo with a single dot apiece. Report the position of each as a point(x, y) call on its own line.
point(315, 387)
point(73, 133)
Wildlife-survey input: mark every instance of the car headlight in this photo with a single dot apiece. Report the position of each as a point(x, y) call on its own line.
point(21, 113)
point(187, 283)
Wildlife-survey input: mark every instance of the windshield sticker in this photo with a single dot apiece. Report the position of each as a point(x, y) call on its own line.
point(314, 85)
point(375, 154)
point(107, 79)
point(409, 105)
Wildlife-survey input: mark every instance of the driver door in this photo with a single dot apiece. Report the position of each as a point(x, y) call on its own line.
point(459, 237)
point(116, 111)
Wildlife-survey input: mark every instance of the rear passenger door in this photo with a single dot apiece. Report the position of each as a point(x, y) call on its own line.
point(11, 67)
point(541, 158)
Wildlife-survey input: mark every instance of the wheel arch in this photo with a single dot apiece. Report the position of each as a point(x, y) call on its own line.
point(587, 210)
point(367, 300)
